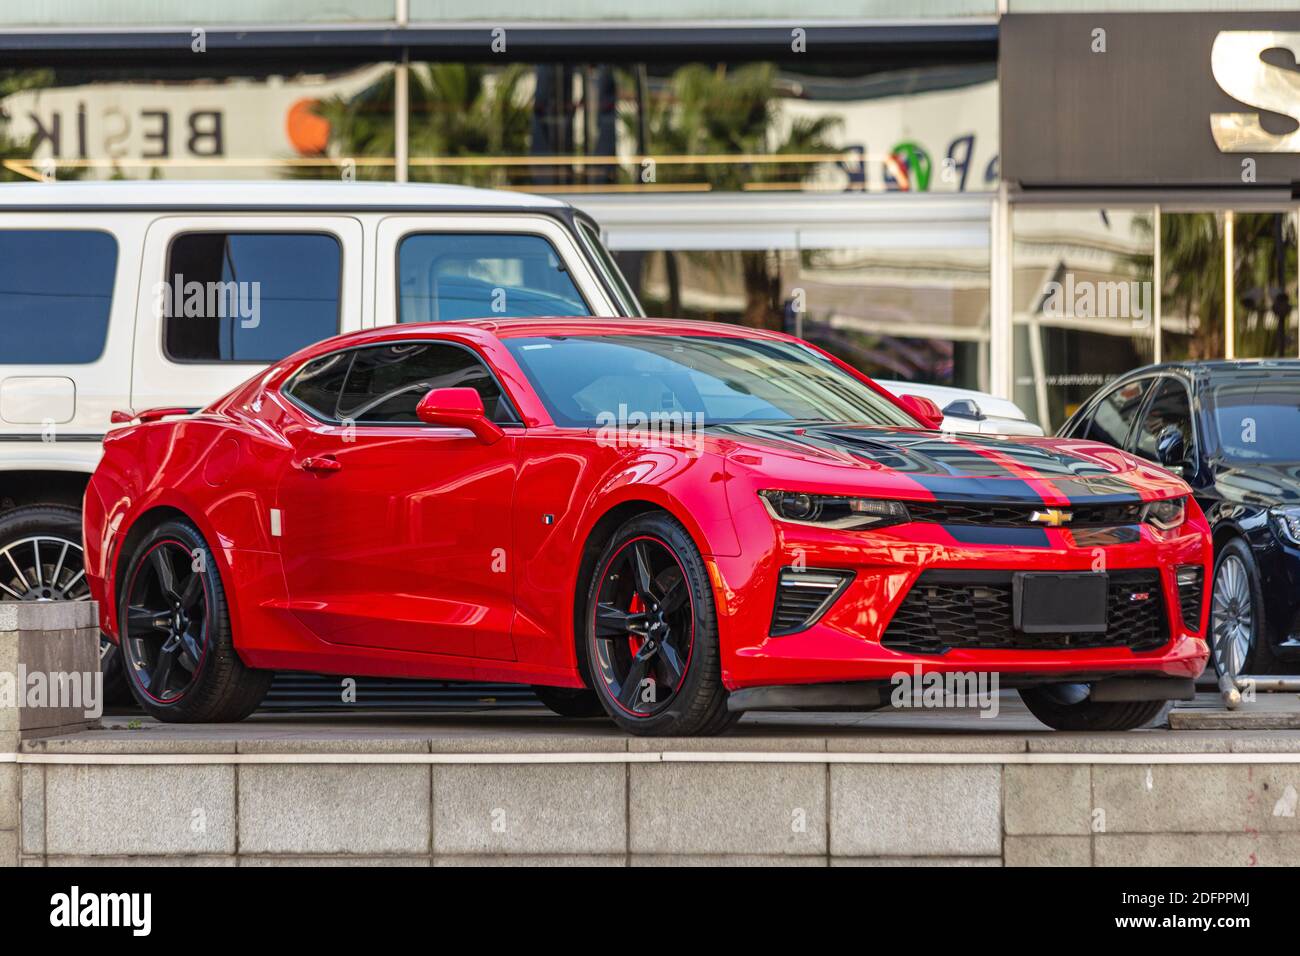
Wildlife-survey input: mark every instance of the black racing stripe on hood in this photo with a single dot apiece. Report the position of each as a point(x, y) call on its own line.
point(973, 488)
point(957, 468)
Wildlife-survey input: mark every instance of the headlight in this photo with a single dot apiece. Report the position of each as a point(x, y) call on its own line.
point(833, 511)
point(1165, 515)
point(1286, 519)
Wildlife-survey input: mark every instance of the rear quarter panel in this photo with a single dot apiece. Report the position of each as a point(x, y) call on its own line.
point(215, 471)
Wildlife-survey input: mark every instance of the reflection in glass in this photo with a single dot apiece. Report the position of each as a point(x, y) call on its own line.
point(911, 314)
point(1264, 314)
point(208, 121)
point(1083, 304)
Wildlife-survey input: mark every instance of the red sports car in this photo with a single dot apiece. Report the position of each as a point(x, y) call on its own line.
point(668, 522)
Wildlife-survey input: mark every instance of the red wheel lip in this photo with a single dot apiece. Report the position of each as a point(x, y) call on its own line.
point(126, 607)
point(690, 651)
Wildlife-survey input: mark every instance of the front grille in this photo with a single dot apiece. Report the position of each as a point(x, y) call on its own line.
point(1191, 592)
point(973, 609)
point(1018, 515)
point(803, 595)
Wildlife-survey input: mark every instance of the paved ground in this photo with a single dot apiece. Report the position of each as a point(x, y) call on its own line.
point(1270, 725)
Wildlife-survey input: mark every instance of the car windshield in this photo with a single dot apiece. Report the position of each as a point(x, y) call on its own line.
point(587, 381)
point(1258, 420)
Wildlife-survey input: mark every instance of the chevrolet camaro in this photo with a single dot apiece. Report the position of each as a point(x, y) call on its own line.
point(666, 522)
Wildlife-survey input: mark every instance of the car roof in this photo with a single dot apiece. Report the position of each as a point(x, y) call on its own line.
point(568, 325)
point(1206, 368)
point(268, 194)
point(523, 328)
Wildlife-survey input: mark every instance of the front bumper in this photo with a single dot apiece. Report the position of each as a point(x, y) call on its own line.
point(846, 642)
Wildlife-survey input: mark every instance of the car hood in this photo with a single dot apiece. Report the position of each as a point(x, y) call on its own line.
point(1256, 483)
point(913, 463)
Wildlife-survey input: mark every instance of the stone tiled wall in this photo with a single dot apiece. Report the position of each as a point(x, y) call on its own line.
point(640, 809)
point(49, 637)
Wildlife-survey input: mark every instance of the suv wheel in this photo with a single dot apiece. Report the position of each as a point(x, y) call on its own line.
point(41, 560)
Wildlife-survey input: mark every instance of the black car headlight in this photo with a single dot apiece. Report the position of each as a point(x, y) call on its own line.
point(1165, 515)
point(1286, 519)
point(834, 511)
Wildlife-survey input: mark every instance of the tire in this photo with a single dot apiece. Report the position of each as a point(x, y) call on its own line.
point(1238, 637)
point(1055, 706)
point(52, 527)
point(204, 681)
point(570, 701)
point(657, 626)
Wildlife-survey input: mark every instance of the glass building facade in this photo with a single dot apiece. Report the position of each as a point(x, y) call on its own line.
point(839, 179)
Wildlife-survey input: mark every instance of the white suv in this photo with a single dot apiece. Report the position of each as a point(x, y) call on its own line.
point(146, 295)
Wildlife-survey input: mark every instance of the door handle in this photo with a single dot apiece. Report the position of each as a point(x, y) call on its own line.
point(320, 464)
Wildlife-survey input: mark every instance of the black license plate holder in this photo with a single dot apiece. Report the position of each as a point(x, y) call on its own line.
point(1068, 603)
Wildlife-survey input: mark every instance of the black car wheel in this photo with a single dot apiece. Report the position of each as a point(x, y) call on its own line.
point(1068, 707)
point(1236, 631)
point(177, 647)
point(652, 639)
point(41, 560)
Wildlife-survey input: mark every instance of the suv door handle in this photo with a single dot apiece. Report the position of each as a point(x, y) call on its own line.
point(320, 464)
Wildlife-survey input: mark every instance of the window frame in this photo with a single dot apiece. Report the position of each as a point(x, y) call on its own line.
point(516, 421)
point(1193, 454)
point(606, 267)
point(112, 293)
point(1090, 410)
point(163, 320)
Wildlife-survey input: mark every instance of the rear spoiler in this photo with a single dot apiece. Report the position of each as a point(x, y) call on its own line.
point(149, 414)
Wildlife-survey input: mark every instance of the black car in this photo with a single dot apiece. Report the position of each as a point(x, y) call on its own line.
point(1232, 430)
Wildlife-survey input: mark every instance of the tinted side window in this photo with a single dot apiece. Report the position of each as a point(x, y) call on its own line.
point(446, 278)
point(56, 291)
point(386, 382)
point(1170, 407)
point(1115, 413)
point(318, 384)
point(248, 297)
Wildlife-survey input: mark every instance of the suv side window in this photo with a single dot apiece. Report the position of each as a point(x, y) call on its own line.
point(444, 277)
point(56, 291)
point(386, 382)
point(1113, 416)
point(1171, 406)
point(248, 297)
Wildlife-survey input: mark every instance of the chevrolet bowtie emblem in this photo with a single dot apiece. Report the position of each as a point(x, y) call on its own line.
point(1052, 516)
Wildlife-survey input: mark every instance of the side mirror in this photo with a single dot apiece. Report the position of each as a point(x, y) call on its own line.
point(923, 410)
point(1171, 450)
point(458, 408)
point(964, 408)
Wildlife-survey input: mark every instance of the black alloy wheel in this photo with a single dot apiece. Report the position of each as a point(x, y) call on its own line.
point(167, 622)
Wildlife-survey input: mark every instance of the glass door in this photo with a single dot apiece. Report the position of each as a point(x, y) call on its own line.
point(1228, 284)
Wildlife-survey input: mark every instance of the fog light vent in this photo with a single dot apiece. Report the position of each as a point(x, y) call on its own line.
point(803, 596)
point(1191, 591)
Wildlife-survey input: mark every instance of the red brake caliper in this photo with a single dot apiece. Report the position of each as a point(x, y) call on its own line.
point(635, 607)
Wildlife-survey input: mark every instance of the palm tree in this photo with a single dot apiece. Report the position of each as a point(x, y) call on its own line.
point(1192, 284)
point(456, 110)
point(712, 111)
